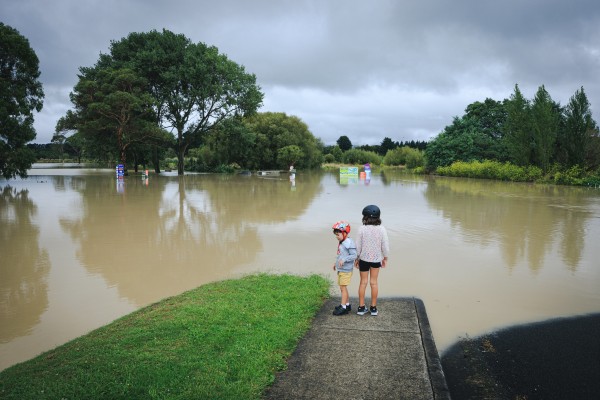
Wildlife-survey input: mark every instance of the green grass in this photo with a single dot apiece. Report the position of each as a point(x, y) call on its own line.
point(223, 340)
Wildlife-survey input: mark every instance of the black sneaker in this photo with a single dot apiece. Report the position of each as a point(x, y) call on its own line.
point(373, 310)
point(349, 307)
point(339, 310)
point(362, 310)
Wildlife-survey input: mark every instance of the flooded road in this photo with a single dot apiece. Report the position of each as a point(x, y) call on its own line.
point(79, 248)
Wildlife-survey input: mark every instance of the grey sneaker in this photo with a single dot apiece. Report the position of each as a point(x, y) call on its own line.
point(373, 310)
point(362, 310)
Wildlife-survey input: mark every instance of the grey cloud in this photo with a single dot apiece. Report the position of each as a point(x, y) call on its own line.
point(392, 68)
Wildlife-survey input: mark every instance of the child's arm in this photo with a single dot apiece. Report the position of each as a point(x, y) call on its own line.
point(351, 247)
point(385, 247)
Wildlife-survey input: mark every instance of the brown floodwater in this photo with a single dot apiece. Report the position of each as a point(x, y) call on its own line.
point(79, 248)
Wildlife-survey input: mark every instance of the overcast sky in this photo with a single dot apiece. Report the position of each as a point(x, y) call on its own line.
point(365, 69)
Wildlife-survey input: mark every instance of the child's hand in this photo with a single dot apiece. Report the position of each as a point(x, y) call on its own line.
point(341, 262)
point(384, 262)
point(334, 266)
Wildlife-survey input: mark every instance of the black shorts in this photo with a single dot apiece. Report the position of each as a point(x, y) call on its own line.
point(365, 266)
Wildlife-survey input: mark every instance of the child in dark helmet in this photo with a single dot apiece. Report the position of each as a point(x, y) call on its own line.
point(372, 248)
point(346, 254)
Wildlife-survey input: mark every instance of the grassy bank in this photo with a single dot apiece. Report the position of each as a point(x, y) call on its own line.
point(224, 340)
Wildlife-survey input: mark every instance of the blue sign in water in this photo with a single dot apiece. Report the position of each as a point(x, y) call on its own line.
point(120, 170)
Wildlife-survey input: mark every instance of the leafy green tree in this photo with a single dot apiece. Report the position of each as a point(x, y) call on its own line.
point(113, 106)
point(337, 153)
point(517, 129)
point(344, 143)
point(288, 156)
point(20, 94)
point(579, 127)
point(489, 116)
point(463, 140)
point(592, 157)
point(386, 145)
point(73, 144)
point(231, 142)
point(545, 123)
point(195, 87)
point(274, 131)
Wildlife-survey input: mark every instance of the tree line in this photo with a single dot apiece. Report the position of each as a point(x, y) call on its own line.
point(537, 132)
point(158, 98)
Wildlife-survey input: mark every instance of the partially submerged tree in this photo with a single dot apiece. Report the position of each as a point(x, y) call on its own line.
point(20, 94)
point(112, 106)
point(277, 131)
point(194, 86)
point(579, 128)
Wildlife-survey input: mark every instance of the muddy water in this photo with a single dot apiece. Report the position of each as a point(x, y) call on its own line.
point(78, 248)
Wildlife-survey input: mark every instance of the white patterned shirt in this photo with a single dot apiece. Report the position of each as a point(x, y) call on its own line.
point(372, 243)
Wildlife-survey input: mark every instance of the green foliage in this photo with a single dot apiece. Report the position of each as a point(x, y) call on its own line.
point(20, 94)
point(592, 179)
point(357, 156)
point(112, 106)
point(461, 141)
point(344, 143)
point(536, 132)
point(329, 158)
point(518, 129)
point(571, 176)
point(579, 127)
point(489, 117)
point(337, 153)
point(386, 145)
point(193, 86)
point(176, 349)
point(288, 156)
point(231, 142)
point(545, 115)
point(488, 169)
point(412, 158)
point(274, 132)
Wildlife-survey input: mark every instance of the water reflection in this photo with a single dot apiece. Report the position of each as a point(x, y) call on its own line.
point(24, 269)
point(525, 220)
point(79, 250)
point(183, 230)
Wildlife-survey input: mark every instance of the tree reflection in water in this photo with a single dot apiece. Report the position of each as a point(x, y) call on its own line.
point(23, 287)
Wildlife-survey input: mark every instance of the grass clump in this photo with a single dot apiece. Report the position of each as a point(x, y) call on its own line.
point(223, 340)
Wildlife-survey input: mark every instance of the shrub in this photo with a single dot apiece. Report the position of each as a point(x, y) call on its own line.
point(329, 158)
point(491, 170)
point(357, 156)
point(410, 157)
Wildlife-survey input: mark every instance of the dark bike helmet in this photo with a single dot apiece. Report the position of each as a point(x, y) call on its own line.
point(371, 211)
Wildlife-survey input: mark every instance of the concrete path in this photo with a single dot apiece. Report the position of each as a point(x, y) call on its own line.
point(389, 356)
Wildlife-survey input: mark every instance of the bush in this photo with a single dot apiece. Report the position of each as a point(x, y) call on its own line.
point(357, 156)
point(329, 158)
point(491, 170)
point(410, 157)
point(572, 176)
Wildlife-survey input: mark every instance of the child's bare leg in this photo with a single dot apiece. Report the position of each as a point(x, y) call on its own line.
point(374, 287)
point(362, 288)
point(345, 297)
